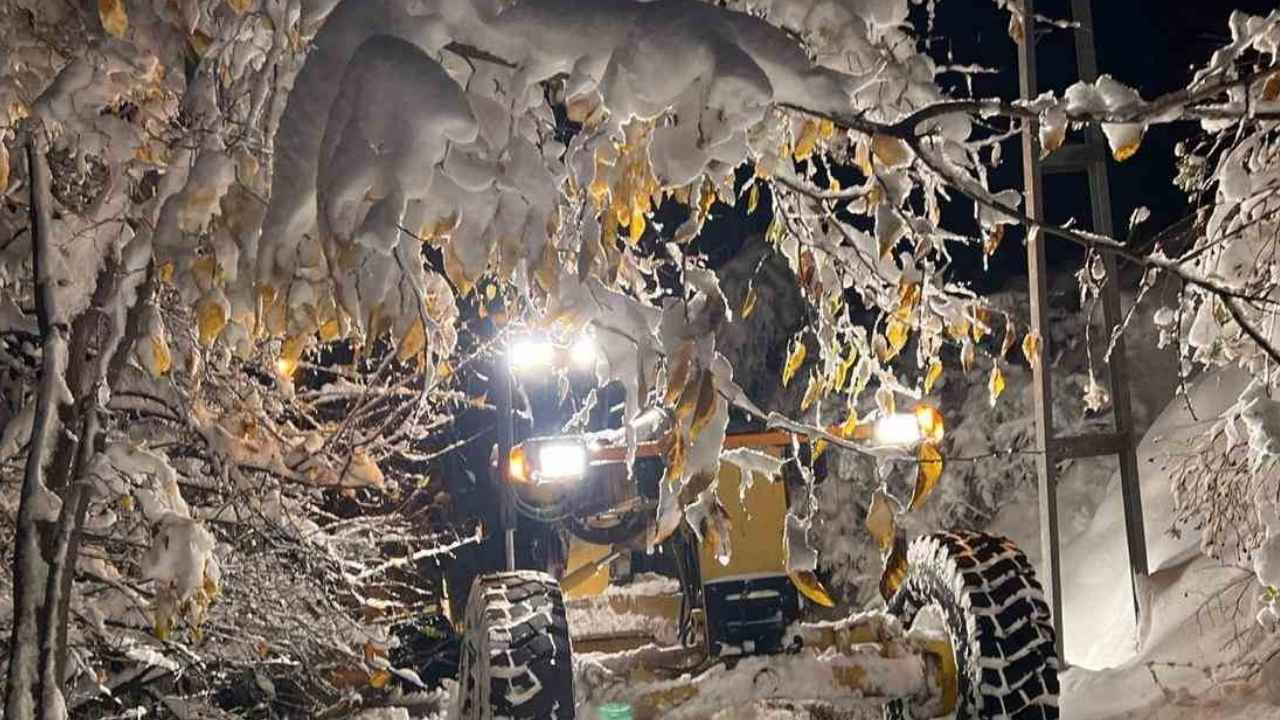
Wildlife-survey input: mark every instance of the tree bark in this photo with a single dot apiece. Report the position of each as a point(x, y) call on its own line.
point(113, 354)
point(24, 693)
point(53, 625)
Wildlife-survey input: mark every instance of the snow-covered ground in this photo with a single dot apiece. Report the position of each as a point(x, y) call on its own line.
point(1192, 653)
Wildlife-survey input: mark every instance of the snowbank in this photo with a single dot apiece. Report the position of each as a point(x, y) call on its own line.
point(1197, 632)
point(1097, 611)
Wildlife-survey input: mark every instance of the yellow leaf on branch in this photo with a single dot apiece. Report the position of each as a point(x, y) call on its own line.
point(1271, 88)
point(812, 392)
point(1031, 348)
point(1010, 332)
point(753, 198)
point(1124, 139)
point(707, 198)
point(811, 587)
point(981, 323)
point(807, 141)
point(775, 231)
point(932, 425)
point(992, 238)
point(413, 342)
point(690, 395)
point(880, 520)
point(896, 334)
point(211, 317)
point(1125, 152)
point(842, 372)
point(457, 274)
point(205, 271)
point(890, 151)
point(885, 401)
point(330, 330)
point(379, 679)
point(995, 384)
point(676, 457)
point(908, 298)
point(967, 356)
point(161, 361)
point(927, 474)
point(850, 425)
point(794, 360)
point(862, 159)
point(637, 225)
point(678, 372)
point(240, 6)
point(1016, 31)
point(895, 567)
point(706, 407)
point(290, 354)
point(115, 20)
point(749, 302)
point(931, 377)
point(4, 167)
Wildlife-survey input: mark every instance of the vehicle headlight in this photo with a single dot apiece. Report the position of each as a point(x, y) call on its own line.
point(924, 424)
point(531, 353)
point(561, 461)
point(897, 429)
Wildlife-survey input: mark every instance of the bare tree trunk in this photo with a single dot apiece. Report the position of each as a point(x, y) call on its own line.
point(53, 620)
point(111, 356)
point(24, 693)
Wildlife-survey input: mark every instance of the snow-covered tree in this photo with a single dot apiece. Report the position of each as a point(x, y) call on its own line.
point(234, 235)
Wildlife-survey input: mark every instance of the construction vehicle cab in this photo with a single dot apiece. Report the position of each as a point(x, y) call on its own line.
point(966, 634)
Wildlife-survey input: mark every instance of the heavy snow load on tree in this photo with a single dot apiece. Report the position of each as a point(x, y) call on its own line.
point(376, 142)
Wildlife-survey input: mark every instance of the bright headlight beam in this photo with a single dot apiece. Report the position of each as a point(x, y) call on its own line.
point(583, 353)
point(897, 429)
point(561, 461)
point(531, 354)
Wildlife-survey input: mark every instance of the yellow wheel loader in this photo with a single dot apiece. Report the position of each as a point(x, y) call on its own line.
point(966, 634)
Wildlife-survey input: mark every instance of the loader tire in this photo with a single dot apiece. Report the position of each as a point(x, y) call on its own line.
point(516, 659)
point(1000, 627)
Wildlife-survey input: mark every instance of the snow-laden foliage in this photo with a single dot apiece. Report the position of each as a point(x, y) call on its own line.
point(1226, 312)
point(239, 291)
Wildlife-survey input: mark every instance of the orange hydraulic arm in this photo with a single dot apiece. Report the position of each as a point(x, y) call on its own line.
point(926, 418)
point(760, 439)
point(924, 424)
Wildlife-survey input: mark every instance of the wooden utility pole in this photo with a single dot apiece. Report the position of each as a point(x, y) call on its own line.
point(1089, 157)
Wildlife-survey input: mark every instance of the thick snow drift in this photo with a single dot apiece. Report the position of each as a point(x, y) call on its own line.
point(1197, 634)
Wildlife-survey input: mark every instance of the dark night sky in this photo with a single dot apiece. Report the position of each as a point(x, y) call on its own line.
point(1151, 45)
